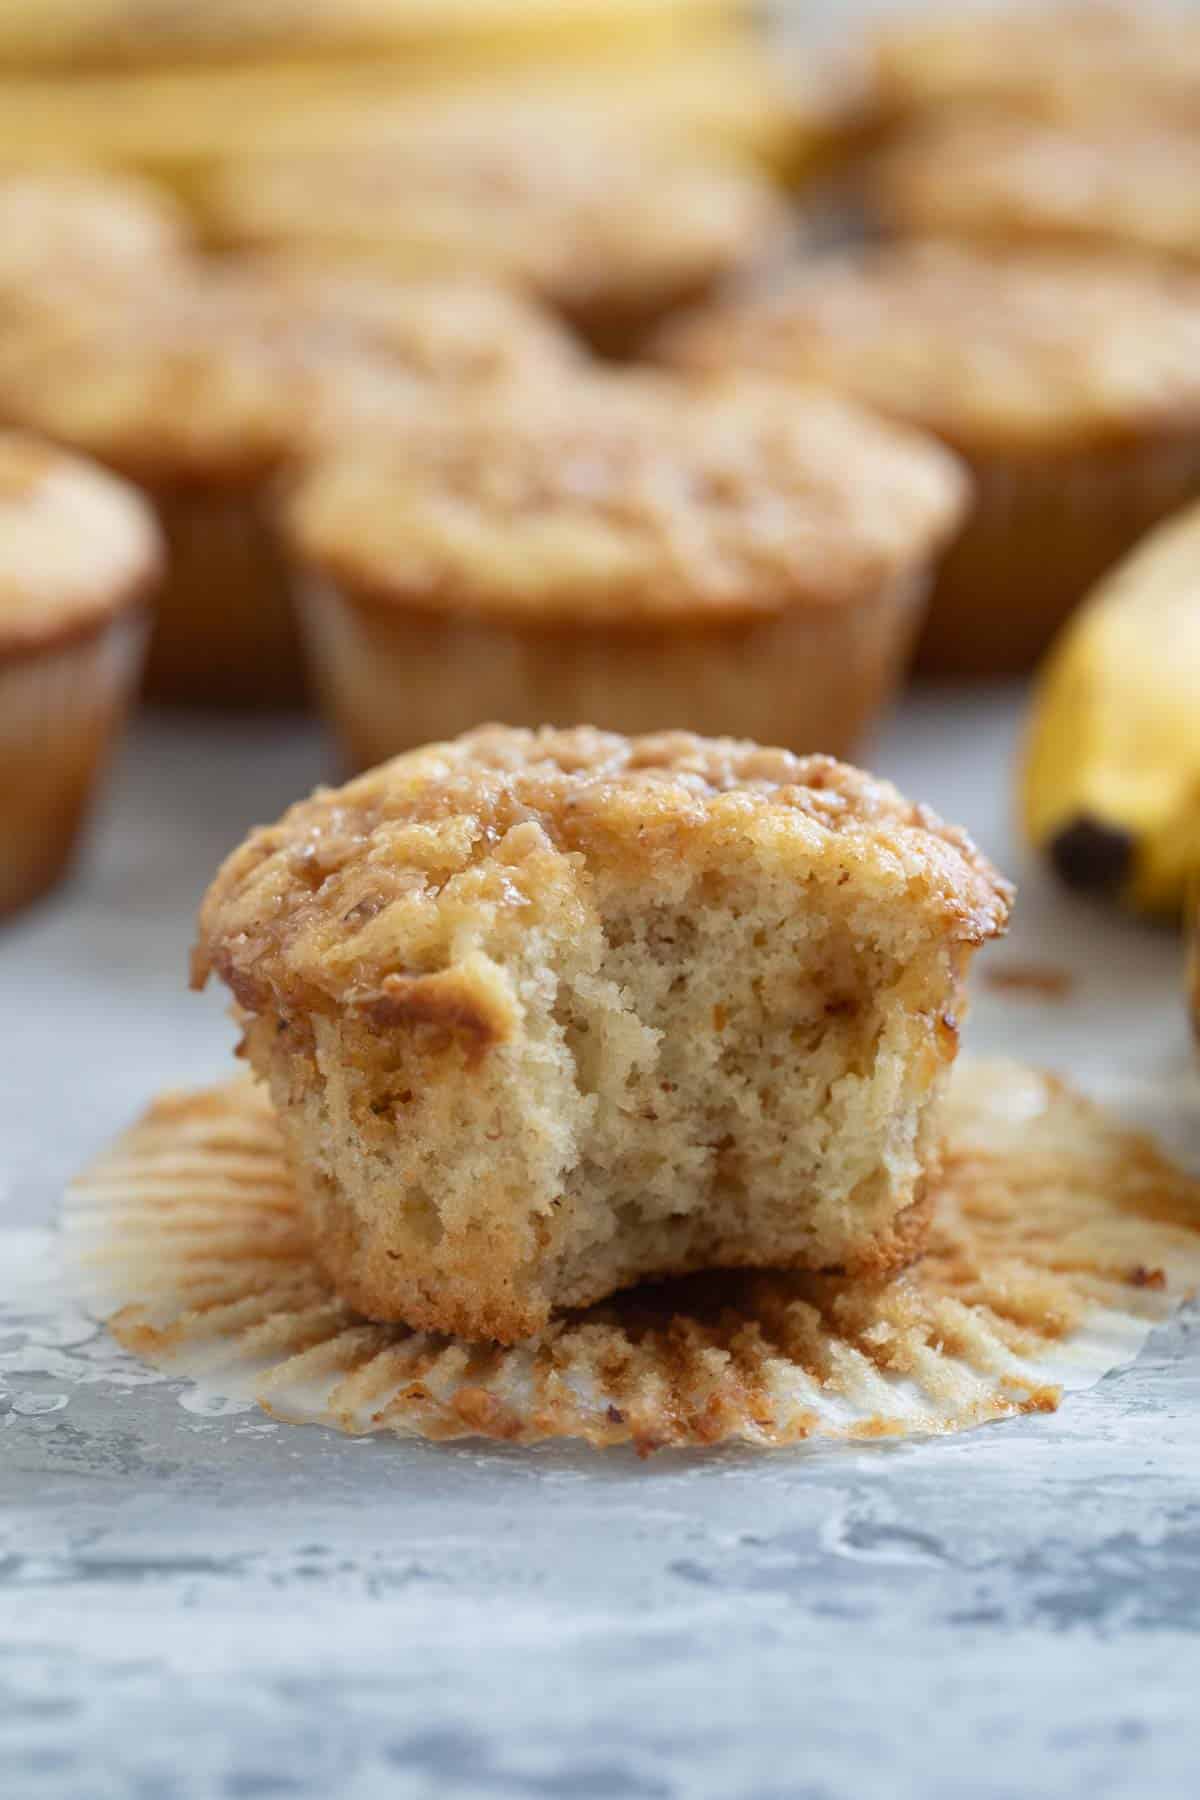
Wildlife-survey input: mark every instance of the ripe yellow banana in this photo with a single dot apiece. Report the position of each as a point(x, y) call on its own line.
point(1111, 781)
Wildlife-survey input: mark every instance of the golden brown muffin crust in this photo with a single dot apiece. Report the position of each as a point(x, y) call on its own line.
point(185, 380)
point(94, 225)
point(223, 372)
point(75, 546)
point(1032, 349)
point(1120, 184)
point(459, 328)
point(632, 498)
point(356, 890)
point(1098, 59)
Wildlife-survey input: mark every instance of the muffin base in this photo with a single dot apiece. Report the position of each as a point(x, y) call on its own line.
point(1059, 1240)
point(392, 676)
point(225, 632)
point(60, 711)
point(1039, 536)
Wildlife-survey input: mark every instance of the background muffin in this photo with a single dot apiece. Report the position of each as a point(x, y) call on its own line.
point(79, 556)
point(202, 388)
point(627, 550)
point(1050, 61)
point(1010, 180)
point(1071, 385)
point(546, 1013)
point(599, 221)
point(90, 227)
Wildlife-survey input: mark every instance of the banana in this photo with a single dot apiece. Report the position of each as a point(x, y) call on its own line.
point(1110, 785)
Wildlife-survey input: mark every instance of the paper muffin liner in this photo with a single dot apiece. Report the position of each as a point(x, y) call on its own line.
point(225, 632)
point(60, 712)
point(1059, 1240)
point(391, 677)
point(1041, 533)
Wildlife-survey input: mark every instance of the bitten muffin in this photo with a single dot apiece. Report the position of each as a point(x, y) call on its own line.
point(545, 1014)
point(202, 388)
point(602, 222)
point(1066, 61)
point(627, 550)
point(1116, 186)
point(1070, 384)
point(79, 555)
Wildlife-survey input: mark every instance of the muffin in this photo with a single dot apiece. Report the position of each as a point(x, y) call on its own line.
point(546, 1014)
point(598, 220)
point(1072, 61)
point(79, 555)
point(202, 389)
point(1070, 384)
point(624, 549)
point(1013, 181)
point(385, 340)
point(80, 34)
point(88, 227)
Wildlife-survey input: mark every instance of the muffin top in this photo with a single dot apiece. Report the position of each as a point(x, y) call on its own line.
point(627, 498)
point(408, 868)
point(226, 372)
point(1073, 60)
point(535, 194)
point(75, 546)
point(89, 225)
point(1010, 178)
point(987, 348)
point(380, 333)
point(181, 379)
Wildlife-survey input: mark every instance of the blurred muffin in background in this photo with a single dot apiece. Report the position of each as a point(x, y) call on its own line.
point(105, 33)
point(79, 556)
point(621, 549)
point(1071, 385)
point(88, 227)
point(1069, 61)
point(1116, 185)
point(603, 225)
point(380, 333)
point(202, 388)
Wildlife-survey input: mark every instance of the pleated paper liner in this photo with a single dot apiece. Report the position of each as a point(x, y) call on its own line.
point(1059, 1240)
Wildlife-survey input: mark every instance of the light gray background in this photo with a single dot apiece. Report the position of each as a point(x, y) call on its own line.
point(200, 1607)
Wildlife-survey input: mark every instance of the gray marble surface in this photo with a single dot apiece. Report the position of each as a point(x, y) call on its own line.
point(203, 1606)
